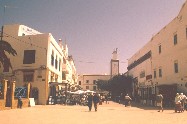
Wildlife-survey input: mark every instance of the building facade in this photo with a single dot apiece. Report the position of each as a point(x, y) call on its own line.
point(89, 82)
point(39, 60)
point(161, 65)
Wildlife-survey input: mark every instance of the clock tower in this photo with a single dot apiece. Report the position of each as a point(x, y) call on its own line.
point(114, 64)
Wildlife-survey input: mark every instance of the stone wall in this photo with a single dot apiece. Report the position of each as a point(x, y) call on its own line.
point(14, 101)
point(2, 104)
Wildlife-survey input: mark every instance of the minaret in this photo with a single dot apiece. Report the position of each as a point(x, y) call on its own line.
point(114, 64)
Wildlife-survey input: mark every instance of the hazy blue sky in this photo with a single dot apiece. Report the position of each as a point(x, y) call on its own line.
point(94, 28)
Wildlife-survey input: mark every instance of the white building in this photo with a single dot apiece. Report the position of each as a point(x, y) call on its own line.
point(69, 69)
point(161, 65)
point(39, 60)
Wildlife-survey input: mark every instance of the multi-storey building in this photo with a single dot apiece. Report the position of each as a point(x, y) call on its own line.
point(161, 65)
point(73, 75)
point(39, 61)
point(69, 69)
point(89, 82)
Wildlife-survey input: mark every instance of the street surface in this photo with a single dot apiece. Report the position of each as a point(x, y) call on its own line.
point(112, 113)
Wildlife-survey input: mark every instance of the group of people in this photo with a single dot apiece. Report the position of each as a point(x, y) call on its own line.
point(124, 99)
point(180, 102)
point(93, 99)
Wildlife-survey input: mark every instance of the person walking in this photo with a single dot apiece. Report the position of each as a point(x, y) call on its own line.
point(20, 103)
point(183, 99)
point(159, 101)
point(127, 100)
point(90, 100)
point(178, 104)
point(106, 99)
point(95, 100)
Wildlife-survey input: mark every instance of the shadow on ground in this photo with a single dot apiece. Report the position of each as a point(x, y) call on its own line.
point(147, 107)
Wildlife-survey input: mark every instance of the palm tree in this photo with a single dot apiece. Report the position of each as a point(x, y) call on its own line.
point(6, 47)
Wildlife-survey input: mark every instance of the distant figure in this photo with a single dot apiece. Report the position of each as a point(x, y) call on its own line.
point(95, 100)
point(20, 103)
point(183, 99)
point(127, 100)
point(177, 98)
point(178, 104)
point(106, 99)
point(90, 100)
point(159, 102)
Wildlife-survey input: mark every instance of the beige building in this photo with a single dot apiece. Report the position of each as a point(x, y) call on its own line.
point(88, 82)
point(40, 60)
point(161, 65)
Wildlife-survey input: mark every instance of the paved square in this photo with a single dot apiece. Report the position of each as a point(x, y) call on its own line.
point(112, 113)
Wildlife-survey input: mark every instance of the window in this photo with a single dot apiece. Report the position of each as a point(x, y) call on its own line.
point(159, 49)
point(142, 74)
point(52, 58)
point(175, 39)
point(56, 63)
point(63, 75)
point(94, 81)
point(154, 73)
point(186, 32)
point(59, 64)
point(51, 79)
point(176, 67)
point(79, 82)
point(160, 72)
point(28, 76)
point(87, 81)
point(87, 87)
point(29, 56)
point(64, 60)
point(94, 88)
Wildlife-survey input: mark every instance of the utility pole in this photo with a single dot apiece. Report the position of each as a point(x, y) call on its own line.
point(4, 11)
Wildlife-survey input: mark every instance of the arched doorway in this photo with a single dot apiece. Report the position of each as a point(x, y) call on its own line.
point(35, 94)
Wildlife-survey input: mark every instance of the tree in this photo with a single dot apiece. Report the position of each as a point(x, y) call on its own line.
point(120, 84)
point(103, 85)
point(6, 47)
point(117, 85)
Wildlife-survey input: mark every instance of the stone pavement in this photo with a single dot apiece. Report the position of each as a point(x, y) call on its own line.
point(112, 113)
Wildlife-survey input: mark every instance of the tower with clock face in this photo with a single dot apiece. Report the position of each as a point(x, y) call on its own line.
point(114, 64)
